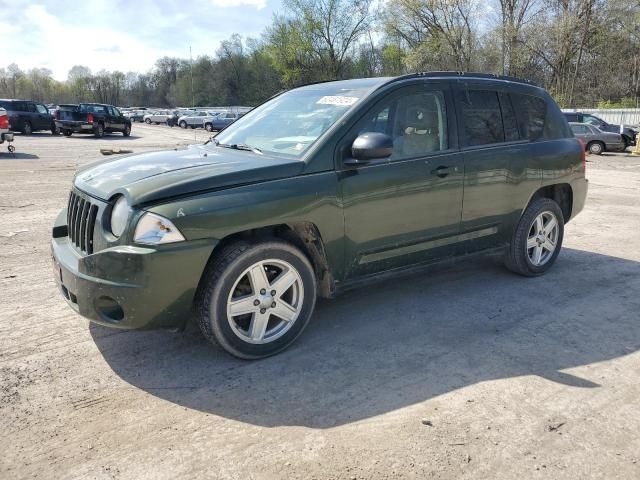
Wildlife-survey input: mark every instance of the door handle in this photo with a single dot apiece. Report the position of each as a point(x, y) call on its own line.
point(442, 171)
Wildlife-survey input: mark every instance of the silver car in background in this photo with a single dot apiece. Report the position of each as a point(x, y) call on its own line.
point(193, 119)
point(597, 141)
point(158, 116)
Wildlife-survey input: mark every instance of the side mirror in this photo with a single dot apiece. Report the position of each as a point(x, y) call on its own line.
point(370, 146)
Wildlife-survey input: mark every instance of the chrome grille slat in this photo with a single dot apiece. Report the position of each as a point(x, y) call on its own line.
point(81, 221)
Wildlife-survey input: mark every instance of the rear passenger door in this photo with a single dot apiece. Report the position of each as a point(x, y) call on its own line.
point(497, 164)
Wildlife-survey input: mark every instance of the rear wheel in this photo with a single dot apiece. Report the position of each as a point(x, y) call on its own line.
point(537, 241)
point(27, 129)
point(127, 130)
point(256, 299)
point(67, 133)
point(98, 130)
point(183, 124)
point(596, 148)
point(147, 121)
point(208, 127)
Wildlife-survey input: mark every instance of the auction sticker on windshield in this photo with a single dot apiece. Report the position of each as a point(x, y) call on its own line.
point(337, 100)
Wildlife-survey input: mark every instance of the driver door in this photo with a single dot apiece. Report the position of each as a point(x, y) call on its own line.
point(407, 208)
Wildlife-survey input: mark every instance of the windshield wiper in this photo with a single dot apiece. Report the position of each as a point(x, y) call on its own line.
point(238, 146)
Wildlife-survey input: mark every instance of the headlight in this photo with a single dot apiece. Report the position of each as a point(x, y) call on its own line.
point(153, 229)
point(119, 216)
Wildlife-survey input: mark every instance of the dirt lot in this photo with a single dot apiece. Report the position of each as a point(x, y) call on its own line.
point(468, 372)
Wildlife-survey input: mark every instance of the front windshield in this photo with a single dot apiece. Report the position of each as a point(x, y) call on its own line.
point(290, 123)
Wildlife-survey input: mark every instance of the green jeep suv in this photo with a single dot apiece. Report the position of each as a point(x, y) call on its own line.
point(319, 189)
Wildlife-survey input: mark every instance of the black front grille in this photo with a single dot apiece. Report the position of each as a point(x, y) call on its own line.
point(81, 221)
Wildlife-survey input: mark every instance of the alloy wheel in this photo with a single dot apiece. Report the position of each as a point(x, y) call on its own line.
point(543, 238)
point(265, 301)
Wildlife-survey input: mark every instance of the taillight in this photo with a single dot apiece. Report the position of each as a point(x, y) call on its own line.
point(4, 122)
point(90, 118)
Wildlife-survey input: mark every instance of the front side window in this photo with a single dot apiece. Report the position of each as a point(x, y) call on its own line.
point(416, 121)
point(481, 117)
point(41, 109)
point(290, 123)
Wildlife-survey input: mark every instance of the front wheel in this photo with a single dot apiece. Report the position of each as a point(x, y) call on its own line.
point(256, 299)
point(67, 133)
point(183, 124)
point(537, 241)
point(147, 121)
point(208, 127)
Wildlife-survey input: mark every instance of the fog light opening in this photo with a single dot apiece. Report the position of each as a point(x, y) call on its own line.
point(109, 309)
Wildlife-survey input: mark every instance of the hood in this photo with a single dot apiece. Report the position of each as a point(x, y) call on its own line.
point(150, 177)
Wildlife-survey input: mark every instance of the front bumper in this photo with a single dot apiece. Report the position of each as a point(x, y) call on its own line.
point(127, 286)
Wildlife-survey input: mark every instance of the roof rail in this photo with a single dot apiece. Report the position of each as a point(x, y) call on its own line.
point(490, 76)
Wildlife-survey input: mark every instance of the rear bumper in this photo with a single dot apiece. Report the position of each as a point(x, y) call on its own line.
point(76, 127)
point(129, 287)
point(579, 188)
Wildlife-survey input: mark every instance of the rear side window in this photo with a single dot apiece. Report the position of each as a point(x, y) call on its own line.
point(508, 118)
point(571, 117)
point(31, 108)
point(531, 112)
point(579, 129)
point(481, 117)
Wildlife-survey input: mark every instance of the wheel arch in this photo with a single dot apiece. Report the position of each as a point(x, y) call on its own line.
point(561, 193)
point(304, 235)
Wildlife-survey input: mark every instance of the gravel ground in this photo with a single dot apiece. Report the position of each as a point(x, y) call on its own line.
point(465, 372)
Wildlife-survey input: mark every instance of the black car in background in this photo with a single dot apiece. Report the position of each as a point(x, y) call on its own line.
point(27, 116)
point(628, 134)
point(94, 118)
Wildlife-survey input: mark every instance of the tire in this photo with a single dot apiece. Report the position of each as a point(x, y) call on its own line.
point(147, 121)
point(98, 130)
point(208, 127)
point(54, 130)
point(67, 133)
point(596, 148)
point(228, 274)
point(27, 129)
point(183, 124)
point(520, 256)
point(127, 130)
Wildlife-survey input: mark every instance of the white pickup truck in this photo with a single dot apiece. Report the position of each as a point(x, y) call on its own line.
point(5, 134)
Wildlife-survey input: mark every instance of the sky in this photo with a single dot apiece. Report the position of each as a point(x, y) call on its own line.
point(125, 35)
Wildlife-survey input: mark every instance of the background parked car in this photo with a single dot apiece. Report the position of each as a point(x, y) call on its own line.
point(596, 140)
point(628, 133)
point(95, 118)
point(220, 121)
point(5, 134)
point(158, 116)
point(27, 116)
point(193, 119)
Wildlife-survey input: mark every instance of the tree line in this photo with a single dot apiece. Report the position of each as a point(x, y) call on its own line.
point(585, 52)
